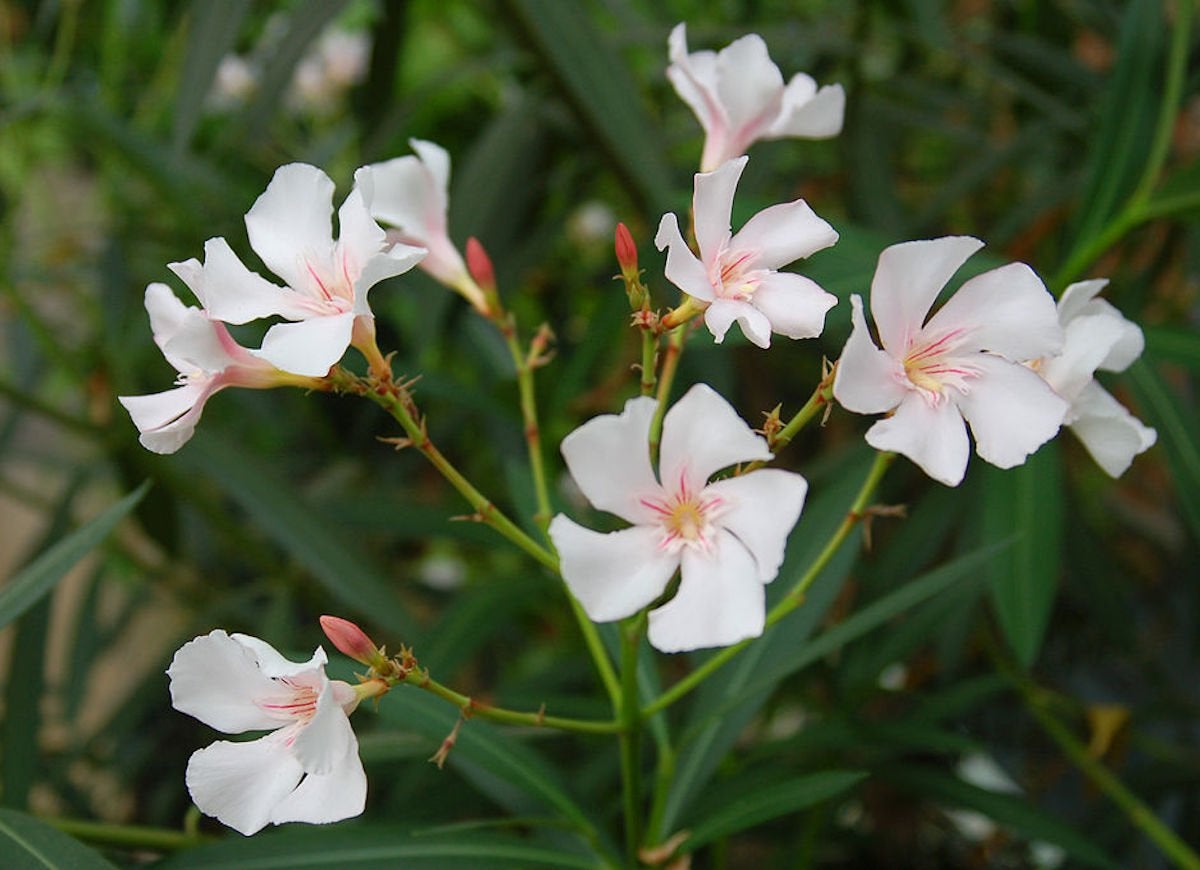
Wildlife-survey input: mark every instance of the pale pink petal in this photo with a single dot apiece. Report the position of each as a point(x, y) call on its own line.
point(613, 575)
point(760, 509)
point(360, 238)
point(1011, 410)
point(609, 458)
point(179, 409)
point(240, 784)
point(795, 305)
point(682, 269)
point(712, 205)
point(309, 347)
point(232, 293)
point(437, 163)
point(750, 87)
point(330, 797)
point(702, 434)
point(932, 436)
point(868, 381)
point(1110, 433)
point(782, 234)
point(327, 738)
point(218, 680)
point(907, 280)
point(719, 316)
point(720, 600)
point(402, 195)
point(198, 344)
point(167, 316)
point(694, 76)
point(395, 261)
point(1006, 311)
point(292, 221)
point(809, 115)
point(1089, 340)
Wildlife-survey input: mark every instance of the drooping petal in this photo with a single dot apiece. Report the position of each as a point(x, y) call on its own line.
point(702, 434)
point(1007, 311)
point(292, 220)
point(809, 115)
point(932, 436)
point(241, 784)
point(397, 260)
point(327, 738)
point(609, 458)
point(198, 345)
point(401, 195)
point(231, 292)
point(1110, 433)
point(330, 797)
point(907, 280)
point(712, 205)
point(693, 76)
point(682, 269)
point(868, 380)
point(1011, 410)
point(794, 305)
point(719, 316)
point(1089, 340)
point(760, 509)
point(782, 234)
point(168, 420)
point(309, 347)
point(218, 680)
point(272, 664)
point(720, 600)
point(613, 575)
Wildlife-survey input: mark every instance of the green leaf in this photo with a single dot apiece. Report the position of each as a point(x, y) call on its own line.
point(757, 805)
point(39, 577)
point(212, 33)
point(1026, 505)
point(1174, 344)
point(29, 844)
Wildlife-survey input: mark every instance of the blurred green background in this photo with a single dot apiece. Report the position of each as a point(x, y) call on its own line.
point(131, 131)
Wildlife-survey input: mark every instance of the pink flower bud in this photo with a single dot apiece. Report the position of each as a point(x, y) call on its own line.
point(350, 639)
point(626, 253)
point(479, 264)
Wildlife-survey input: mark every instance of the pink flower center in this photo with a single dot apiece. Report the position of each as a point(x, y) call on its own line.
point(732, 277)
point(331, 283)
point(297, 701)
point(686, 517)
point(931, 366)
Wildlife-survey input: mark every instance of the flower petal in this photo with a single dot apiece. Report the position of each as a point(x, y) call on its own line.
point(907, 280)
point(1110, 433)
point(1076, 298)
point(1008, 311)
point(720, 600)
point(694, 78)
point(272, 664)
point(702, 434)
point(292, 220)
point(402, 195)
point(719, 316)
point(932, 436)
point(609, 458)
point(397, 260)
point(682, 269)
point(750, 87)
point(309, 347)
point(330, 797)
point(168, 420)
point(782, 234)
point(231, 292)
point(324, 741)
point(241, 783)
point(867, 379)
point(794, 305)
point(712, 205)
point(1011, 410)
point(613, 575)
point(761, 508)
point(809, 115)
point(1089, 340)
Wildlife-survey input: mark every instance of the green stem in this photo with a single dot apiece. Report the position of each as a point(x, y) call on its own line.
point(128, 836)
point(470, 708)
point(630, 734)
point(819, 400)
point(794, 596)
point(666, 380)
point(649, 361)
point(529, 418)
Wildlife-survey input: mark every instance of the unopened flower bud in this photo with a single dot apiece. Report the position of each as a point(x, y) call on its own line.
point(350, 639)
point(626, 253)
point(479, 264)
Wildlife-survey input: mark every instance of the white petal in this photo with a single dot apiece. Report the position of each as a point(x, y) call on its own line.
point(324, 741)
point(178, 410)
point(437, 163)
point(1076, 298)
point(712, 204)
point(613, 575)
point(795, 305)
point(810, 116)
point(330, 797)
point(309, 347)
point(907, 280)
point(932, 436)
point(241, 783)
point(682, 269)
point(232, 293)
point(720, 600)
point(1110, 433)
point(397, 260)
point(1011, 410)
point(292, 220)
point(702, 434)
point(272, 664)
point(719, 316)
point(403, 195)
point(1089, 340)
point(693, 76)
point(783, 234)
point(167, 314)
point(200, 344)
point(359, 237)
point(1008, 311)
point(750, 88)
point(867, 379)
point(762, 508)
point(609, 458)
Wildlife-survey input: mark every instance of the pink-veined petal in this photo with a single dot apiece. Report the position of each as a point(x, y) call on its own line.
point(712, 205)
point(1089, 340)
point(702, 434)
point(782, 234)
point(609, 458)
point(760, 509)
point(1007, 311)
point(1012, 411)
point(329, 797)
point(1110, 433)
point(719, 316)
point(325, 740)
point(932, 436)
point(240, 784)
point(682, 269)
point(907, 279)
point(795, 305)
point(616, 574)
point(720, 600)
point(809, 115)
point(750, 87)
point(231, 292)
point(309, 347)
point(867, 379)
point(292, 221)
point(360, 238)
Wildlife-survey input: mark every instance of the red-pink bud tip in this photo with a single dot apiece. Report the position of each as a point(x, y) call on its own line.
point(350, 639)
point(626, 252)
point(479, 264)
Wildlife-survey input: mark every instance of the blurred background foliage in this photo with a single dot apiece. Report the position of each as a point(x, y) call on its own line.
point(896, 720)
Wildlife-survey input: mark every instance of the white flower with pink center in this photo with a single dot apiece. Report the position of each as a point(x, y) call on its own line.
point(739, 97)
point(736, 275)
point(306, 770)
point(964, 365)
point(327, 281)
point(725, 537)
